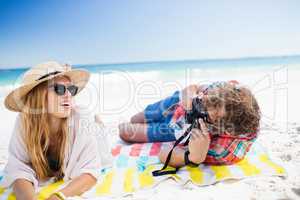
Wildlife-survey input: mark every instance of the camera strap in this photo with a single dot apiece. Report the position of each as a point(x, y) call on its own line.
point(162, 171)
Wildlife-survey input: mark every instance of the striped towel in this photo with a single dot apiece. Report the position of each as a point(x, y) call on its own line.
point(133, 166)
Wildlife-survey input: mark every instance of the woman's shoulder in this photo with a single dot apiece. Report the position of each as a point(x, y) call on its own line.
point(80, 111)
point(83, 121)
point(82, 114)
point(17, 127)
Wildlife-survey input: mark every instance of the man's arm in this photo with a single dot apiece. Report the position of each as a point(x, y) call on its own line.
point(198, 147)
point(188, 93)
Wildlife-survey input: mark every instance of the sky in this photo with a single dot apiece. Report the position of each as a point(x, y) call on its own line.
point(99, 31)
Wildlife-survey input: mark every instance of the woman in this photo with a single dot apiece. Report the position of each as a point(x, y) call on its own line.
point(233, 114)
point(51, 139)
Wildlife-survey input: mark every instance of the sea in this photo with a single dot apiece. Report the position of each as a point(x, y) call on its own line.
point(117, 91)
point(10, 76)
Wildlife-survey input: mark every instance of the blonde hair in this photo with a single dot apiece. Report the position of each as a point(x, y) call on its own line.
point(36, 133)
point(242, 110)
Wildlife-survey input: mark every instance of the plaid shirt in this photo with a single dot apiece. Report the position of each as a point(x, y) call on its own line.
point(227, 149)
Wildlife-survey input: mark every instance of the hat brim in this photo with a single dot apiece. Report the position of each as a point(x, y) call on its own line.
point(15, 99)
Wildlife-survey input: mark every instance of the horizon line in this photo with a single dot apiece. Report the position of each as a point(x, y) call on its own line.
point(175, 60)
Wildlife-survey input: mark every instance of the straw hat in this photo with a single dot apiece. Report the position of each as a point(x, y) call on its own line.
point(40, 73)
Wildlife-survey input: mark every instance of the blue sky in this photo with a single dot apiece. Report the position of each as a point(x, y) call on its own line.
point(98, 31)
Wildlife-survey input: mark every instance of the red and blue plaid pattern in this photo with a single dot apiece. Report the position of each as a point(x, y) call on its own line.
point(227, 149)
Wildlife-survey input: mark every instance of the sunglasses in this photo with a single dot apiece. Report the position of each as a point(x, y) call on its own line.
point(61, 89)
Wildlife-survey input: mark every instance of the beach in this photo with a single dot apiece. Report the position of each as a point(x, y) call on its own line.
point(118, 94)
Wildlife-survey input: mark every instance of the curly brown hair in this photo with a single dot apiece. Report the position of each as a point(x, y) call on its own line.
point(242, 110)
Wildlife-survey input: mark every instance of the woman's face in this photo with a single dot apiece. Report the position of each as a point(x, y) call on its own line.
point(59, 106)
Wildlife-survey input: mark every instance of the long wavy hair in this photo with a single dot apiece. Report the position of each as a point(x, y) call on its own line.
point(36, 133)
point(242, 110)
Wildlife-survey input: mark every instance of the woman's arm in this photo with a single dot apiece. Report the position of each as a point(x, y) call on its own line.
point(17, 173)
point(23, 189)
point(77, 186)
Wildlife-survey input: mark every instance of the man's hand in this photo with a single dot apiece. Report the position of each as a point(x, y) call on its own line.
point(199, 143)
point(187, 96)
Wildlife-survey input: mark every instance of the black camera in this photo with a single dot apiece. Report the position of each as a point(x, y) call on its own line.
point(198, 111)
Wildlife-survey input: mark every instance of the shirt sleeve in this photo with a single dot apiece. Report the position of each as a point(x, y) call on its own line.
point(227, 152)
point(85, 156)
point(89, 160)
point(17, 166)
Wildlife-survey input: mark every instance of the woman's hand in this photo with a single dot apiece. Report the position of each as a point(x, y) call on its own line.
point(53, 197)
point(199, 143)
point(187, 95)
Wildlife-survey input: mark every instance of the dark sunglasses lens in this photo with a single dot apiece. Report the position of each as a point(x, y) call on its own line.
point(73, 89)
point(59, 89)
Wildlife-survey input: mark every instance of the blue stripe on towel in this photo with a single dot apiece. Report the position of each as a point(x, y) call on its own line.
point(122, 161)
point(141, 163)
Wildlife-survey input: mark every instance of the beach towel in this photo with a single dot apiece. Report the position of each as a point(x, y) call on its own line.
point(134, 163)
